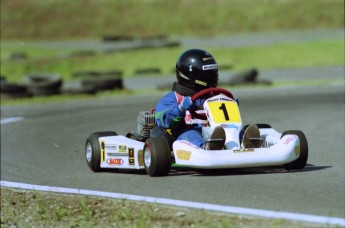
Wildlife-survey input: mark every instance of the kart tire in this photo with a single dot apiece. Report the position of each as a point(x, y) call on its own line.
point(93, 149)
point(157, 157)
point(303, 157)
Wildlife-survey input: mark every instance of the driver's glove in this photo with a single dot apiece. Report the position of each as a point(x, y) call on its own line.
point(185, 104)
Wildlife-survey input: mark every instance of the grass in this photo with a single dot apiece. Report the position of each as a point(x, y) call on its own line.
point(36, 19)
point(20, 208)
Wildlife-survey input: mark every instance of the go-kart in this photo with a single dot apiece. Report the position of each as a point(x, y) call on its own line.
point(159, 154)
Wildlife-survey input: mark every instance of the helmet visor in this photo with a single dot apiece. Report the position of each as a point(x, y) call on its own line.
point(206, 79)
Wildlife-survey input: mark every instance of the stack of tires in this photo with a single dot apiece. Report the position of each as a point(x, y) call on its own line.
point(43, 84)
point(12, 90)
point(100, 81)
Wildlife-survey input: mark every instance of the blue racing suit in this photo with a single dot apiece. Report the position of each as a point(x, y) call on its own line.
point(168, 115)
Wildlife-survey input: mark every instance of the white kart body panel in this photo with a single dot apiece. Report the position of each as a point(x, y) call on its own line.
point(120, 152)
point(285, 151)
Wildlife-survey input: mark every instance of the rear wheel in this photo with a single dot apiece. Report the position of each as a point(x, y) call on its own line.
point(303, 156)
point(93, 149)
point(157, 157)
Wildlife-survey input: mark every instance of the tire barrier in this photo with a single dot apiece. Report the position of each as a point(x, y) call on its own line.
point(244, 77)
point(83, 53)
point(43, 84)
point(92, 74)
point(82, 90)
point(142, 44)
point(103, 83)
point(16, 56)
point(116, 38)
point(46, 84)
point(248, 77)
point(100, 80)
point(151, 70)
point(13, 90)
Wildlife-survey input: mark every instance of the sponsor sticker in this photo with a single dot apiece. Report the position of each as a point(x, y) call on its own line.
point(131, 156)
point(102, 151)
point(288, 140)
point(200, 82)
point(207, 58)
point(122, 149)
point(244, 150)
point(183, 155)
point(111, 147)
point(210, 67)
point(115, 161)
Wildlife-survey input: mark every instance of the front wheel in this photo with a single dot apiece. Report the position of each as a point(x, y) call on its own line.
point(301, 161)
point(93, 149)
point(157, 156)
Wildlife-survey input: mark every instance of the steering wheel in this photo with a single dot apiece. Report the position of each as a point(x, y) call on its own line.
point(202, 93)
point(214, 91)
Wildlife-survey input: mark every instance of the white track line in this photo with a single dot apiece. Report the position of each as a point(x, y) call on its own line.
point(10, 120)
point(195, 205)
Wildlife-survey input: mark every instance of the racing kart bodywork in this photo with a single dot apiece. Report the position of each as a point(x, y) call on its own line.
point(157, 154)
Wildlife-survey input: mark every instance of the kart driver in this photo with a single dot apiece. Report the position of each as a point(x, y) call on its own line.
point(196, 70)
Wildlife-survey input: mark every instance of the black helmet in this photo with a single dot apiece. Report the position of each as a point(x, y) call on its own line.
point(197, 70)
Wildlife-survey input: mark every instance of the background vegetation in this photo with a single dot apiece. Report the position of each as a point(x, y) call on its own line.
point(65, 19)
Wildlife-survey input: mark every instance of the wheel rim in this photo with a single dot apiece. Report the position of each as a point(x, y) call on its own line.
point(88, 152)
point(147, 157)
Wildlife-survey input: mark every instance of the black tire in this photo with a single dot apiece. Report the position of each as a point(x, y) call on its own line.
point(152, 70)
point(303, 157)
point(114, 38)
point(43, 84)
point(246, 77)
point(12, 90)
point(83, 74)
point(101, 84)
point(83, 90)
point(157, 157)
point(93, 149)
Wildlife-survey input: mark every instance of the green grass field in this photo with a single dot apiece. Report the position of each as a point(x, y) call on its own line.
point(65, 19)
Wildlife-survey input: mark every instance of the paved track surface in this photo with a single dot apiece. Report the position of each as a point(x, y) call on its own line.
point(46, 148)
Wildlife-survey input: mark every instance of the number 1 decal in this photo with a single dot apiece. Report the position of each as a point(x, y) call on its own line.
point(224, 112)
point(226, 115)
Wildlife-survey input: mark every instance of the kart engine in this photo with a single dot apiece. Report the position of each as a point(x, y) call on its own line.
point(145, 122)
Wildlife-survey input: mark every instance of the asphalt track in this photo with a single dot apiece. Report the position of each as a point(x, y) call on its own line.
point(44, 145)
